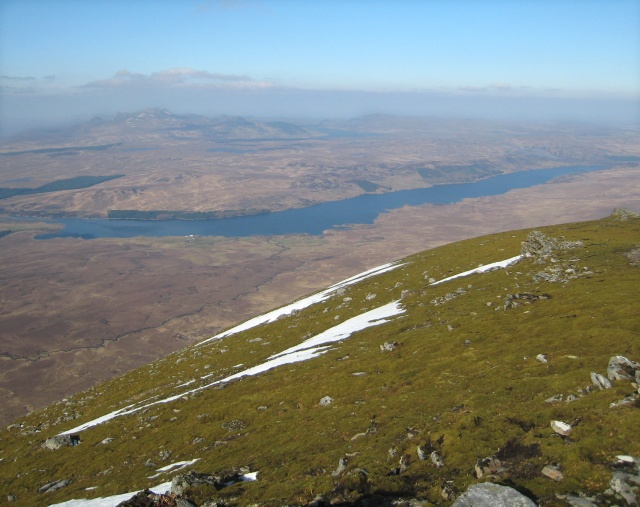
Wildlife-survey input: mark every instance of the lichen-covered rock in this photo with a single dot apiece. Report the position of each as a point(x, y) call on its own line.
point(621, 368)
point(58, 441)
point(492, 495)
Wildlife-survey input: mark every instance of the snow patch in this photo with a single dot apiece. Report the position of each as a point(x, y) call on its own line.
point(111, 501)
point(482, 269)
point(304, 351)
point(274, 315)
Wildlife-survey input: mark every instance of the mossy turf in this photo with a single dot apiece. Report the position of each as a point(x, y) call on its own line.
point(463, 381)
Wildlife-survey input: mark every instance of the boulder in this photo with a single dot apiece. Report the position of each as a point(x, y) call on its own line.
point(53, 486)
point(561, 428)
point(58, 441)
point(621, 368)
point(180, 483)
point(326, 401)
point(492, 495)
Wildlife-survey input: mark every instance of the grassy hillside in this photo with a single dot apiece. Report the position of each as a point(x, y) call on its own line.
point(459, 377)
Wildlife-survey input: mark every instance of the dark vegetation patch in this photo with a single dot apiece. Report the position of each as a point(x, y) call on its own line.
point(67, 150)
point(75, 183)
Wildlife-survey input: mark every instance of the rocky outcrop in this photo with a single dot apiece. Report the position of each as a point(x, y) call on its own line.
point(492, 495)
point(541, 246)
point(623, 214)
point(58, 441)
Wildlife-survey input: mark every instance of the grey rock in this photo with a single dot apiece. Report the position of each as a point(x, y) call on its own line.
point(487, 467)
point(561, 428)
point(623, 214)
point(492, 495)
point(436, 459)
point(11, 498)
point(626, 486)
point(552, 472)
point(555, 399)
point(621, 368)
point(388, 346)
point(58, 441)
point(235, 425)
point(542, 358)
point(405, 460)
point(326, 401)
point(53, 486)
point(180, 483)
point(342, 465)
point(183, 502)
point(578, 501)
point(600, 381)
point(627, 400)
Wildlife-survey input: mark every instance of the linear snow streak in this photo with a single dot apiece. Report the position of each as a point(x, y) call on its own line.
point(488, 267)
point(308, 349)
point(273, 315)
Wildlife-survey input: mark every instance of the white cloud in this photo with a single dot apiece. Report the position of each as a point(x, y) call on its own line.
point(177, 77)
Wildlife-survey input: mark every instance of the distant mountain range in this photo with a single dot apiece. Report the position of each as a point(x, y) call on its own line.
point(509, 360)
point(161, 123)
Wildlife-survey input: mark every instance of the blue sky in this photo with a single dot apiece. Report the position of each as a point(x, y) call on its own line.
point(64, 59)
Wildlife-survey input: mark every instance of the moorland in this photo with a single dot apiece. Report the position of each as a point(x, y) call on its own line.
point(76, 312)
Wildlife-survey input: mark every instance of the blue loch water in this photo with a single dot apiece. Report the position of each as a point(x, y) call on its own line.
point(315, 219)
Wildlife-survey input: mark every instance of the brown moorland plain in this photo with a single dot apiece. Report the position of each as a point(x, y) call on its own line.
point(75, 312)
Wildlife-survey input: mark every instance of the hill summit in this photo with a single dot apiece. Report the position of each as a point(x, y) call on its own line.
point(500, 370)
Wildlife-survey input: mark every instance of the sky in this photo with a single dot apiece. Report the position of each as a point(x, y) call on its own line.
point(67, 60)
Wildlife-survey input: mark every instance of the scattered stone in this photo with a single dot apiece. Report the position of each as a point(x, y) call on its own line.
point(628, 400)
point(600, 381)
point(107, 440)
point(542, 358)
point(487, 467)
point(553, 472)
point(388, 346)
point(359, 373)
point(326, 401)
point(561, 428)
point(405, 293)
point(448, 491)
point(235, 425)
point(342, 465)
point(571, 397)
point(53, 486)
point(11, 498)
point(555, 399)
point(467, 343)
point(436, 459)
point(405, 461)
point(492, 495)
point(370, 296)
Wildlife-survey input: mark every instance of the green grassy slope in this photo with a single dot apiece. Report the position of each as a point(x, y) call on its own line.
point(463, 381)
